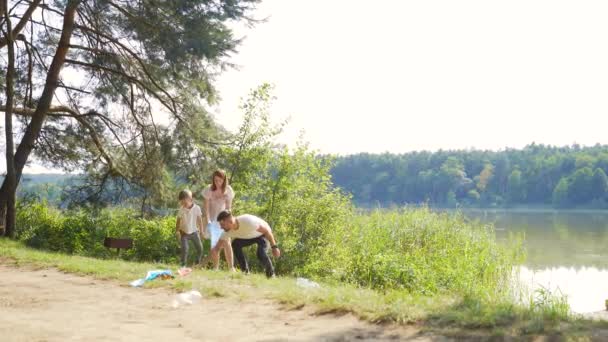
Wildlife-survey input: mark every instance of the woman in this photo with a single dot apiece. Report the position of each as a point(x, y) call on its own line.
point(218, 197)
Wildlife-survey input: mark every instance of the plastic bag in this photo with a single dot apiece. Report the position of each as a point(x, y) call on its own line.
point(306, 283)
point(186, 298)
point(215, 232)
point(163, 274)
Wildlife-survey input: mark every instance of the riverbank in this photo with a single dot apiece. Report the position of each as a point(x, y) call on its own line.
point(439, 315)
point(525, 209)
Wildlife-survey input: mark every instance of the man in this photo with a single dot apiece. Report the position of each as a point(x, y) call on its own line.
point(247, 230)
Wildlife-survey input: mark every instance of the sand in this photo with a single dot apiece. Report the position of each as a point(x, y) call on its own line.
point(48, 305)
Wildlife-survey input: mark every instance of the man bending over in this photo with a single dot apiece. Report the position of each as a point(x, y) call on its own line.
point(247, 230)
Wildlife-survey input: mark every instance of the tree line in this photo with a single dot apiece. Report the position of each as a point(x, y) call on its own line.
point(538, 175)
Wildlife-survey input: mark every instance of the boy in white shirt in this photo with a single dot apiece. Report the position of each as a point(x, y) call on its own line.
point(189, 226)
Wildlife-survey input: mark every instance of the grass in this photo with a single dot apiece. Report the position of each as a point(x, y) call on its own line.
point(445, 314)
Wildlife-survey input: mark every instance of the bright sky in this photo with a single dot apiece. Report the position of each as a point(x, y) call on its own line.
point(400, 75)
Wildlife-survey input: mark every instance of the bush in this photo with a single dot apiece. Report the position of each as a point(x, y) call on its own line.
point(82, 231)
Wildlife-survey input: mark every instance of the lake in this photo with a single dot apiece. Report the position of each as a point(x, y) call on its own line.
point(567, 251)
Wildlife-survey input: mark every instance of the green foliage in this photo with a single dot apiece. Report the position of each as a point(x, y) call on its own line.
point(599, 184)
point(517, 190)
point(580, 187)
point(134, 120)
point(82, 231)
point(290, 188)
point(560, 193)
point(417, 250)
point(512, 177)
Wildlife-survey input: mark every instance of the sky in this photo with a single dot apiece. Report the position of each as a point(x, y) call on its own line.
point(399, 76)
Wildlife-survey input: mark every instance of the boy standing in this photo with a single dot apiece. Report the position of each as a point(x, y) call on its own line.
point(189, 226)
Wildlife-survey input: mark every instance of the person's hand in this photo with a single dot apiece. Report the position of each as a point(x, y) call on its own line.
point(276, 252)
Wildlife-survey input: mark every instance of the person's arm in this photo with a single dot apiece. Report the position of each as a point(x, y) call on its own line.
point(207, 218)
point(201, 227)
point(229, 199)
point(178, 234)
point(270, 237)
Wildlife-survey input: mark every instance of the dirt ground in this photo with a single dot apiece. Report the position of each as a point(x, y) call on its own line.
point(47, 305)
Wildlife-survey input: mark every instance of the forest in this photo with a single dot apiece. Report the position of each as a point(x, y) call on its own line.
point(537, 175)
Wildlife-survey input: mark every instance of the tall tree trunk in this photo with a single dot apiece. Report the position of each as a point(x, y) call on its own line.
point(32, 130)
point(10, 179)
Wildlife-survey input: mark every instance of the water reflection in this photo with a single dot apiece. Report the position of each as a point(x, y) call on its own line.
point(554, 238)
point(586, 288)
point(565, 250)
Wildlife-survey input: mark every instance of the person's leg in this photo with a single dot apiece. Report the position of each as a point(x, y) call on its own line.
point(198, 245)
point(207, 259)
point(263, 256)
point(221, 245)
point(215, 257)
point(229, 256)
point(237, 248)
point(184, 249)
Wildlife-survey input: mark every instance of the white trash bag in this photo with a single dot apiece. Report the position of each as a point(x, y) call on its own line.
point(307, 284)
point(186, 298)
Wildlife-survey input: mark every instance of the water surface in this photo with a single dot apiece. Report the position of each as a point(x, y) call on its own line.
point(567, 251)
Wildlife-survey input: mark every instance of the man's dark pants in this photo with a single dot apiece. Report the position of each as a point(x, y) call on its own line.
point(239, 244)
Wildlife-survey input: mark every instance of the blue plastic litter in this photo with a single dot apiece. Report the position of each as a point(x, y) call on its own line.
point(151, 276)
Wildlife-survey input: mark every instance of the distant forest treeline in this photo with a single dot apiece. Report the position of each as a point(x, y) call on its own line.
point(537, 175)
point(563, 177)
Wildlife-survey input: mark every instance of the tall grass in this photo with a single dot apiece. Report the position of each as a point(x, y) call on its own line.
point(420, 251)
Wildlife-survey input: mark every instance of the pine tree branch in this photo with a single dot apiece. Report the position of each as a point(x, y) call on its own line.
point(69, 112)
point(21, 24)
point(130, 78)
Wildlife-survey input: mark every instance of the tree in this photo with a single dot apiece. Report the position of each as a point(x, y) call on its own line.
point(418, 177)
point(94, 79)
point(580, 190)
point(450, 200)
point(484, 177)
point(451, 177)
point(290, 188)
point(599, 184)
point(516, 191)
point(473, 195)
point(560, 193)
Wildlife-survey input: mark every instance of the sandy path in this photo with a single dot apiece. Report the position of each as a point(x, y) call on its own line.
point(47, 305)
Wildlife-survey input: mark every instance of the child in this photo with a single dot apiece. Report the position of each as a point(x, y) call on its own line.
point(189, 226)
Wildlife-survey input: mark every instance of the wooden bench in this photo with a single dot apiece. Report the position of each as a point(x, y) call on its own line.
point(117, 243)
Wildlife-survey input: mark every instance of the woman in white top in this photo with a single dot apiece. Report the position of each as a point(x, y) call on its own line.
point(218, 197)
